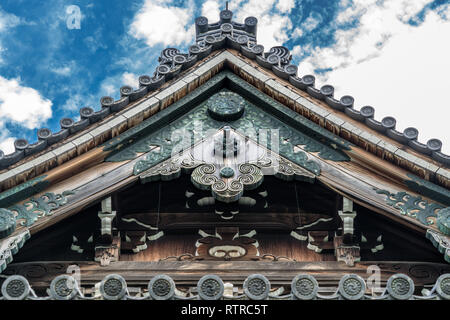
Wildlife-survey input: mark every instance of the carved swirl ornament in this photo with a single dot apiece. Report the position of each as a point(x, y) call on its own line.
point(226, 106)
point(443, 286)
point(304, 287)
point(257, 287)
point(16, 288)
point(30, 211)
point(7, 223)
point(113, 287)
point(208, 177)
point(400, 287)
point(412, 206)
point(443, 221)
point(210, 287)
point(63, 287)
point(352, 287)
point(161, 287)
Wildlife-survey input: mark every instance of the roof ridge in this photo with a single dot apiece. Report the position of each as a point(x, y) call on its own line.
point(211, 37)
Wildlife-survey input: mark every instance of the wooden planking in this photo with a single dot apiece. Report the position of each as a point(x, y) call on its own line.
point(281, 245)
point(363, 136)
point(167, 246)
point(272, 244)
point(376, 200)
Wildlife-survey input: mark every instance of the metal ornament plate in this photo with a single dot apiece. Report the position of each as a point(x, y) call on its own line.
point(443, 286)
point(63, 287)
point(226, 106)
point(352, 287)
point(400, 287)
point(16, 288)
point(161, 287)
point(256, 287)
point(113, 287)
point(304, 287)
point(210, 287)
point(7, 223)
point(443, 221)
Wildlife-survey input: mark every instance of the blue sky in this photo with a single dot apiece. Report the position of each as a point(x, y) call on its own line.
point(390, 54)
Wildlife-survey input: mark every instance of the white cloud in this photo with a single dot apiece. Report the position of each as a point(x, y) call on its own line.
point(159, 23)
point(272, 27)
point(130, 79)
point(285, 6)
point(298, 33)
point(6, 142)
point(74, 102)
point(111, 85)
point(8, 20)
point(312, 22)
point(400, 69)
point(211, 10)
point(65, 69)
point(22, 105)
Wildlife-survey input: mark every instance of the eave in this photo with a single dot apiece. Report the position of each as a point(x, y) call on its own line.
point(78, 163)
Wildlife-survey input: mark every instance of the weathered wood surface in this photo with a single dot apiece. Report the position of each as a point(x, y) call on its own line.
point(40, 274)
point(353, 179)
point(358, 183)
point(281, 246)
point(208, 220)
point(362, 145)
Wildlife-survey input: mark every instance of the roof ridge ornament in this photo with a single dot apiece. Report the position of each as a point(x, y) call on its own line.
point(210, 37)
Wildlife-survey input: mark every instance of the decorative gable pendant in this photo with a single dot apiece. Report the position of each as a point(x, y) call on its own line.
point(227, 183)
point(227, 163)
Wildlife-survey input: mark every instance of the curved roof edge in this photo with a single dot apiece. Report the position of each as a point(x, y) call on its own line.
point(211, 37)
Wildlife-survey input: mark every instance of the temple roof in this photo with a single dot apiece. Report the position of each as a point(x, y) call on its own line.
point(211, 37)
point(346, 142)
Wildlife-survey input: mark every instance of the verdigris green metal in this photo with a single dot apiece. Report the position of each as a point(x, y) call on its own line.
point(23, 191)
point(166, 116)
point(414, 207)
point(287, 115)
point(252, 121)
point(29, 212)
point(428, 189)
point(443, 221)
point(159, 129)
point(7, 223)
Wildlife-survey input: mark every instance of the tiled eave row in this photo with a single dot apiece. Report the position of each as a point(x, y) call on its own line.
point(212, 287)
point(270, 84)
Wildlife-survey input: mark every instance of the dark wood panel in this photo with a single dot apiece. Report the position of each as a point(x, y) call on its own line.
point(271, 244)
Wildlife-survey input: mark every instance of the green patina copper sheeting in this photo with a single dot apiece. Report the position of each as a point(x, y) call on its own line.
point(28, 212)
point(411, 206)
point(197, 122)
point(428, 189)
point(254, 118)
point(23, 191)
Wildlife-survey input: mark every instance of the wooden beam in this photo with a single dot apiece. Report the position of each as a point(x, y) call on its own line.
point(187, 273)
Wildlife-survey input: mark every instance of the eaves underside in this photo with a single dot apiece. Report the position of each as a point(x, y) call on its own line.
point(79, 164)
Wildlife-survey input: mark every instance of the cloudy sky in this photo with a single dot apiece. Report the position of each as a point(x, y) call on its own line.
point(391, 54)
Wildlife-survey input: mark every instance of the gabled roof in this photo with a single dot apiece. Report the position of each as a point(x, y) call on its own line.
point(379, 172)
point(209, 38)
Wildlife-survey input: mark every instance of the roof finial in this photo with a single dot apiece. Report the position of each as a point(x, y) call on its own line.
point(226, 5)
